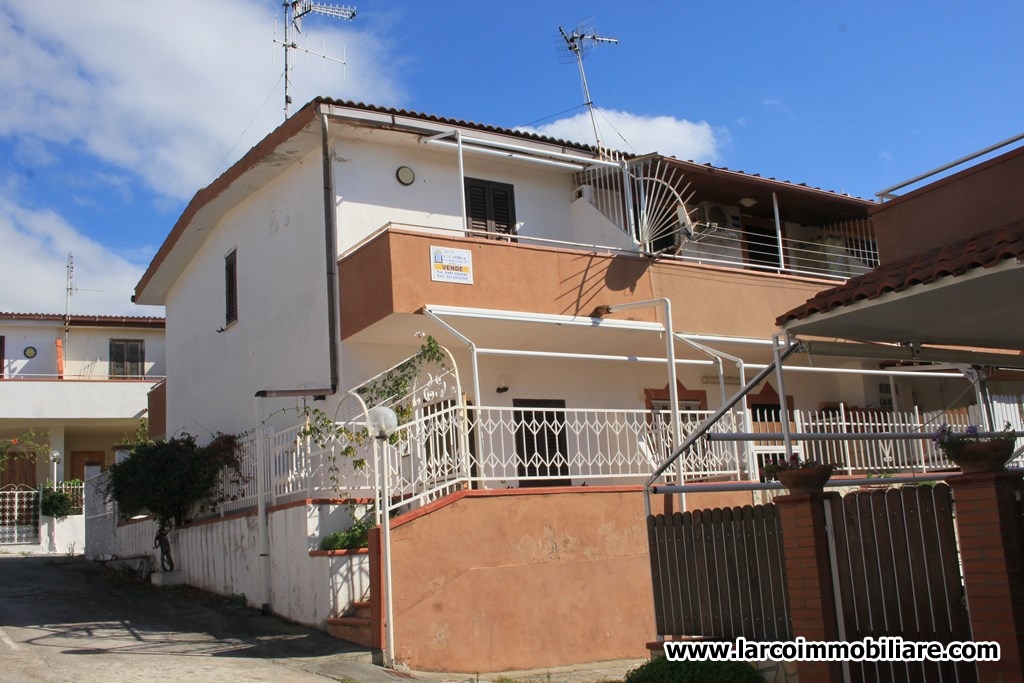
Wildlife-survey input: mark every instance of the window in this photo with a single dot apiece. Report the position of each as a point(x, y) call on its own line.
point(127, 358)
point(490, 206)
point(230, 289)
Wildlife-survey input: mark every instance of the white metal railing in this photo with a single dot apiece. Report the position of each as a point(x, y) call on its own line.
point(452, 445)
point(838, 252)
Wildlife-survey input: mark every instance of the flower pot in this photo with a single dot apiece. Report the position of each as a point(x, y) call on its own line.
point(805, 479)
point(981, 456)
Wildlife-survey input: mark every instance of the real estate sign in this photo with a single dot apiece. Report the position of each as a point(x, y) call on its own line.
point(451, 265)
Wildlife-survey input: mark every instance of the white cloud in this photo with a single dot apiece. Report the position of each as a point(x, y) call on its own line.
point(34, 262)
point(163, 88)
point(167, 94)
point(621, 130)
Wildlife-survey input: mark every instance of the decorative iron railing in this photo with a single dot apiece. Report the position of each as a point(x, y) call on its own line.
point(448, 445)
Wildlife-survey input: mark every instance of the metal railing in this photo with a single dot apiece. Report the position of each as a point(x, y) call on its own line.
point(512, 446)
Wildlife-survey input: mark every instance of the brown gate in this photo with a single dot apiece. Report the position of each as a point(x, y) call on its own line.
point(899, 574)
point(719, 573)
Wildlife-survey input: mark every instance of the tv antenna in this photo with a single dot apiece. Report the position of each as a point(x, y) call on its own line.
point(294, 10)
point(573, 47)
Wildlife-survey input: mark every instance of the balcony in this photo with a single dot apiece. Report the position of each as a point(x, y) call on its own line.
point(392, 272)
point(51, 398)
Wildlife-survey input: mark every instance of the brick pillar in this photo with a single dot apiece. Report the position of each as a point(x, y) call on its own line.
point(988, 519)
point(812, 606)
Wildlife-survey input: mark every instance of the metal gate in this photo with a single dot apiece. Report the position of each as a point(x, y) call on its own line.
point(898, 573)
point(19, 515)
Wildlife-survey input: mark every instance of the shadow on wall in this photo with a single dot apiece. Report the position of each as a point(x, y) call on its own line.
point(597, 274)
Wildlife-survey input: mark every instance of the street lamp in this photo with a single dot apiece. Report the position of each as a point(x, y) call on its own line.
point(382, 422)
point(55, 460)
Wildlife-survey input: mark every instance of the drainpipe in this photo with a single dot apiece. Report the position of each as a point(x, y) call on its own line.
point(330, 255)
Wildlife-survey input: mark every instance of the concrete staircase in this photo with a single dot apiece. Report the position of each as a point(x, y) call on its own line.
point(355, 627)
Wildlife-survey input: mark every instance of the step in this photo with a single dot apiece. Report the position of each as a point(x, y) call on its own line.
point(353, 629)
point(360, 609)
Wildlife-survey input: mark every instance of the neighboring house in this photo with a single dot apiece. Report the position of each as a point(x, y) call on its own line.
point(79, 382)
point(951, 268)
point(596, 308)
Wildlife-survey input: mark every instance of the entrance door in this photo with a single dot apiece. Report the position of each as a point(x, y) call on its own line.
point(20, 469)
point(541, 443)
point(82, 459)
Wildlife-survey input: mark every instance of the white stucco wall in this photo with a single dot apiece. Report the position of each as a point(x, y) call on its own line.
point(280, 338)
point(222, 556)
point(86, 353)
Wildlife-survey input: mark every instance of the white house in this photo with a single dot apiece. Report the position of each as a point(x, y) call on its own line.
point(80, 382)
point(595, 308)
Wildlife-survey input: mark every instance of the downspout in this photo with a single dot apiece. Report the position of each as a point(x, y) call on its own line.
point(330, 249)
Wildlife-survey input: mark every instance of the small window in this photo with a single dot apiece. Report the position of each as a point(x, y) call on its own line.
point(127, 358)
point(490, 206)
point(230, 289)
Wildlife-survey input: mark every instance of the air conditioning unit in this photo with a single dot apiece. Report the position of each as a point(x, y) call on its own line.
point(584, 192)
point(719, 216)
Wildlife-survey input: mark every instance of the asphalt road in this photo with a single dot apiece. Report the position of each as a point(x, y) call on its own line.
point(64, 619)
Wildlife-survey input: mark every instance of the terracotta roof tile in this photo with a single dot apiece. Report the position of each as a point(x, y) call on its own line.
point(980, 251)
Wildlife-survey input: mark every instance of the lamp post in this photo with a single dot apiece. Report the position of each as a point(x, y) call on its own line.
point(55, 460)
point(382, 422)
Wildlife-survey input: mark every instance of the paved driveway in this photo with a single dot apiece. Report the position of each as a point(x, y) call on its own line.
point(64, 619)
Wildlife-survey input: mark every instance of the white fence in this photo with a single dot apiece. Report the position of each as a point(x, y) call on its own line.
point(497, 447)
point(223, 556)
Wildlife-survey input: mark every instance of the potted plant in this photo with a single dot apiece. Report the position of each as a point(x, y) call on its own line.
point(799, 476)
point(973, 452)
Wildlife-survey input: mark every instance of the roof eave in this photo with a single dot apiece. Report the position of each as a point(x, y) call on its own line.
point(184, 239)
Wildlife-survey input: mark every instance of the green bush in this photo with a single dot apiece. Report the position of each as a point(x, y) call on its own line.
point(356, 536)
point(660, 670)
point(57, 504)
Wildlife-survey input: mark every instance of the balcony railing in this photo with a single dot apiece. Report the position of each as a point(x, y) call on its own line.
point(523, 446)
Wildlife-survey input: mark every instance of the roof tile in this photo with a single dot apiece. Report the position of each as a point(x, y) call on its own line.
point(980, 251)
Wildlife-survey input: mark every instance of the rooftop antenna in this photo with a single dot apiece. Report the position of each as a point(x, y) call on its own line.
point(573, 47)
point(294, 10)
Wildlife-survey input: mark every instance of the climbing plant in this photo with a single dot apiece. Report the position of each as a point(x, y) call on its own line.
point(28, 445)
point(394, 384)
point(174, 479)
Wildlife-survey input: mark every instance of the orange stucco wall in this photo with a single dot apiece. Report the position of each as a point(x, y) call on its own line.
point(391, 273)
point(981, 198)
point(528, 578)
point(514, 580)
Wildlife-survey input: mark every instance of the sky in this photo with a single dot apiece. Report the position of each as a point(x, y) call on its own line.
point(116, 112)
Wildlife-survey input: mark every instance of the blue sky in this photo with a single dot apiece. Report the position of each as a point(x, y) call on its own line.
point(115, 113)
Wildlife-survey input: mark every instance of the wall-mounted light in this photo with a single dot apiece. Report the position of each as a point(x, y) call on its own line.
point(503, 382)
point(405, 175)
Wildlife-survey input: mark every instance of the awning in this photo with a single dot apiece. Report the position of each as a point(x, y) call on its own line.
point(968, 294)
